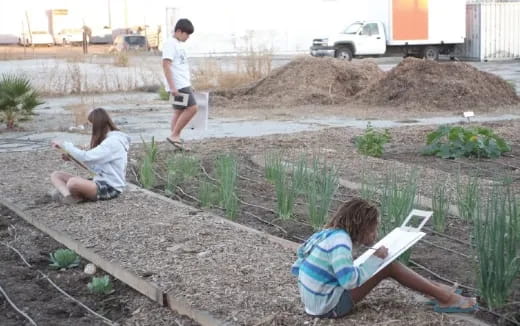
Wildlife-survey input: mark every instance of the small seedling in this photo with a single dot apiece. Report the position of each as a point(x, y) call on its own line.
point(100, 285)
point(64, 258)
point(371, 142)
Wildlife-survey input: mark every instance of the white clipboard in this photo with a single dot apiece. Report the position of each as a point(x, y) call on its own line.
point(399, 240)
point(200, 119)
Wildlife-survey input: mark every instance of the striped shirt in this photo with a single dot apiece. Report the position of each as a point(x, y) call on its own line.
point(325, 268)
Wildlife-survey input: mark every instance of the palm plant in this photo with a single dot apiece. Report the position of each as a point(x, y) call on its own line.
point(17, 99)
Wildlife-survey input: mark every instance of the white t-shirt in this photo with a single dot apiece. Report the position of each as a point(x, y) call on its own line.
point(174, 50)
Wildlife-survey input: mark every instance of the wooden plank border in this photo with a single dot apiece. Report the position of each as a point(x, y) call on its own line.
point(147, 288)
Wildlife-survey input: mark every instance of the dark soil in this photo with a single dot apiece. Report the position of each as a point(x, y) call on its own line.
point(32, 293)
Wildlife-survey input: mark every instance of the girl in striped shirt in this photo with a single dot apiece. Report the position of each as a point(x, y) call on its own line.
point(330, 284)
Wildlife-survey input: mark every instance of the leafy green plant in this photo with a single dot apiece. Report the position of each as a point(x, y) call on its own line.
point(274, 166)
point(181, 167)
point(440, 206)
point(323, 183)
point(17, 99)
point(285, 195)
point(468, 196)
point(64, 258)
point(163, 94)
point(371, 142)
point(100, 285)
point(226, 167)
point(456, 141)
point(496, 239)
point(208, 195)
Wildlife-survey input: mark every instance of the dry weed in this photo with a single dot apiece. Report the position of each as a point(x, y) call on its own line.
point(80, 112)
point(121, 59)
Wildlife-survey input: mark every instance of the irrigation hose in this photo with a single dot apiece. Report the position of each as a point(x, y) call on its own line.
point(16, 308)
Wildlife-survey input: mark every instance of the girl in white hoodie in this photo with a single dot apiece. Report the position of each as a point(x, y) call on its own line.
point(107, 157)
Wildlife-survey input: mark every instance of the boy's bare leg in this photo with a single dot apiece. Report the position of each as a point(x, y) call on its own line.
point(175, 117)
point(414, 281)
point(180, 120)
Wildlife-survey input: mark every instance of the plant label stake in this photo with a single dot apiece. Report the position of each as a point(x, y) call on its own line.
point(468, 115)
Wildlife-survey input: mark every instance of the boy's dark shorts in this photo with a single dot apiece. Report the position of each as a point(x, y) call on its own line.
point(105, 191)
point(191, 99)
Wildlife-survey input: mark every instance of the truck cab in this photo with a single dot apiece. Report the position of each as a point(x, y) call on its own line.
point(361, 38)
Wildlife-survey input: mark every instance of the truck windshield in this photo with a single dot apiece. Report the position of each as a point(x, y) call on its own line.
point(353, 29)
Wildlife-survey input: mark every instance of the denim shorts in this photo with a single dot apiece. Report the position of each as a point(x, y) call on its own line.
point(191, 99)
point(105, 191)
point(343, 307)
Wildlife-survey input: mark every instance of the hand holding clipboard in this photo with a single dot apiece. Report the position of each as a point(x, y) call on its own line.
point(66, 156)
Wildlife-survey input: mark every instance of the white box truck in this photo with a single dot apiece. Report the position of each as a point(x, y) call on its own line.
point(422, 28)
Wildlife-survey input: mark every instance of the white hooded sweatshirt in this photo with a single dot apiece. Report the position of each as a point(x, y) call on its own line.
point(107, 159)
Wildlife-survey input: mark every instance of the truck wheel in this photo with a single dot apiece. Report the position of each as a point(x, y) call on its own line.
point(431, 53)
point(344, 53)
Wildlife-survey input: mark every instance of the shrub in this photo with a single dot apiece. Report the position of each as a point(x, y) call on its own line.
point(100, 285)
point(453, 142)
point(64, 258)
point(371, 142)
point(163, 94)
point(17, 99)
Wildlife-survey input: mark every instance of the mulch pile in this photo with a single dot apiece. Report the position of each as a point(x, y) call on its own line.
point(422, 83)
point(306, 80)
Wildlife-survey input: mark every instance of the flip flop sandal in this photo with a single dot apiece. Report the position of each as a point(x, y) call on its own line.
point(456, 309)
point(177, 144)
point(433, 302)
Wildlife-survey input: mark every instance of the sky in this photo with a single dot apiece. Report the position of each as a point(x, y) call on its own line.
point(292, 23)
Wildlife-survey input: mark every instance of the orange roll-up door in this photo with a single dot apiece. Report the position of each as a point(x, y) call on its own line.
point(410, 19)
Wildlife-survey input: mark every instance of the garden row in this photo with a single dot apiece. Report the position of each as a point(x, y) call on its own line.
point(311, 187)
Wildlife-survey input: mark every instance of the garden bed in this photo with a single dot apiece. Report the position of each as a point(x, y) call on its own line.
point(447, 256)
point(237, 276)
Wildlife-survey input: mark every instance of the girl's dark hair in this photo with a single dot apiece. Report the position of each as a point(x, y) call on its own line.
point(356, 216)
point(184, 25)
point(101, 125)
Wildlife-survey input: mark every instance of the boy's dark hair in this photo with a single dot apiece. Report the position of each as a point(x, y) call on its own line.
point(356, 216)
point(184, 25)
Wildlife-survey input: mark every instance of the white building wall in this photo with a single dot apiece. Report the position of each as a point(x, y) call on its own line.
point(493, 31)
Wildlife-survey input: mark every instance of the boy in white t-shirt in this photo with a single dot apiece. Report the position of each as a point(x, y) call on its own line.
point(177, 79)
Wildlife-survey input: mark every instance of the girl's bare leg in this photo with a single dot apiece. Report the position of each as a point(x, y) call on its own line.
point(72, 186)
point(414, 281)
point(59, 180)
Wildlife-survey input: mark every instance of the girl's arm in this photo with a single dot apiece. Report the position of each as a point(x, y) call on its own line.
point(100, 154)
point(348, 275)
